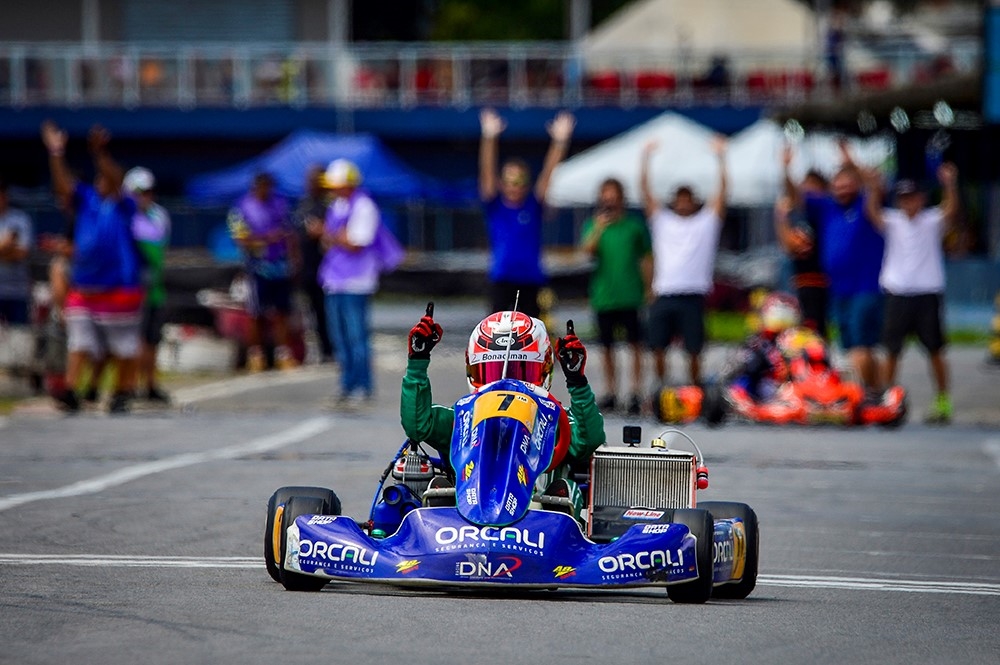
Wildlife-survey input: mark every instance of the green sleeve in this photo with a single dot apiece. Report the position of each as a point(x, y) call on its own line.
point(423, 420)
point(586, 422)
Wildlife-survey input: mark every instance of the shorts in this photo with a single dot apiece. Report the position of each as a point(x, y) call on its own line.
point(503, 294)
point(677, 315)
point(814, 301)
point(104, 323)
point(151, 326)
point(13, 311)
point(859, 319)
point(269, 295)
point(627, 320)
point(919, 315)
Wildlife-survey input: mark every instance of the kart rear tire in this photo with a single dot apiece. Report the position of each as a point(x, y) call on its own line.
point(722, 510)
point(702, 527)
point(280, 498)
point(296, 507)
point(713, 406)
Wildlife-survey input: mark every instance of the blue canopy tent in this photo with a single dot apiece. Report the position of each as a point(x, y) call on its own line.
point(384, 175)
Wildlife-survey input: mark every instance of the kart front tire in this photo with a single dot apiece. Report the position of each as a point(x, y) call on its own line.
point(702, 527)
point(722, 510)
point(331, 506)
point(296, 507)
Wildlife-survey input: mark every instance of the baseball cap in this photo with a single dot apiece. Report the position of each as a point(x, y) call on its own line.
point(341, 173)
point(139, 179)
point(906, 186)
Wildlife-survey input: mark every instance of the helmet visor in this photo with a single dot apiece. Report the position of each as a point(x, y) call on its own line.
point(488, 372)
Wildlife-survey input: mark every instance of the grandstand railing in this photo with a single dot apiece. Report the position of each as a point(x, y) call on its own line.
point(402, 75)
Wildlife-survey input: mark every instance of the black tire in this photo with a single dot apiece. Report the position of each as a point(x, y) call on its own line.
point(713, 405)
point(296, 507)
point(722, 510)
point(331, 506)
point(702, 527)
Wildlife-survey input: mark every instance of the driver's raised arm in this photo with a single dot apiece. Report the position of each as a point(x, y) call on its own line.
point(585, 419)
point(422, 420)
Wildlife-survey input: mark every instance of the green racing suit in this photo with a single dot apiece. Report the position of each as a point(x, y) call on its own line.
point(433, 423)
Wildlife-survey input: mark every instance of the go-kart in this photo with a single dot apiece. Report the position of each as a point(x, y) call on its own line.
point(814, 393)
point(480, 522)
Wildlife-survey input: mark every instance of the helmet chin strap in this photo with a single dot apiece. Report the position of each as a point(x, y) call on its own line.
point(506, 357)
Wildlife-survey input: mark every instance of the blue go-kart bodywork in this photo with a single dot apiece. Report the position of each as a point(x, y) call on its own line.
point(492, 531)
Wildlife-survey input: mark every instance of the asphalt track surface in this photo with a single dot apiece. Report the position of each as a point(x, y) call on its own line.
point(137, 539)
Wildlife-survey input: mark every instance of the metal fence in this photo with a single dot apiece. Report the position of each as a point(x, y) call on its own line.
point(456, 75)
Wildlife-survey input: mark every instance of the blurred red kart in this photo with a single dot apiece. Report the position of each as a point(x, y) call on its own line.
point(812, 392)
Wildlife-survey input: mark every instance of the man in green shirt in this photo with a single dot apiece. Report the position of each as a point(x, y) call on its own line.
point(151, 230)
point(620, 245)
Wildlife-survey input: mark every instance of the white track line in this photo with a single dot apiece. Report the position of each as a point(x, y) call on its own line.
point(301, 432)
point(912, 586)
point(992, 448)
point(246, 383)
point(801, 581)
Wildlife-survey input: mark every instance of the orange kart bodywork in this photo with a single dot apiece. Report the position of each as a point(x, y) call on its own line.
point(813, 399)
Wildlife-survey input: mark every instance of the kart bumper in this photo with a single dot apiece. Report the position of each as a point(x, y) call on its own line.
point(437, 547)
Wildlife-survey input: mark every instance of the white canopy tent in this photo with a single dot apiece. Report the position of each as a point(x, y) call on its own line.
point(753, 162)
point(649, 28)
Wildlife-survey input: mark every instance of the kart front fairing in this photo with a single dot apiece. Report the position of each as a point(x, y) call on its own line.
point(437, 546)
point(504, 439)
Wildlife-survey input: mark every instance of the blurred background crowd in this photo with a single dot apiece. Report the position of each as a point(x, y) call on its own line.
point(224, 103)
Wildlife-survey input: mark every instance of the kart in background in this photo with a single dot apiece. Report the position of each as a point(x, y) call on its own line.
point(479, 522)
point(814, 393)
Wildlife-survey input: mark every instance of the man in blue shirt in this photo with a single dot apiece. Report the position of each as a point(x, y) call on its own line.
point(850, 251)
point(103, 306)
point(514, 212)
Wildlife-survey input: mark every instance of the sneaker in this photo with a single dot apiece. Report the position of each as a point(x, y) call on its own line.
point(67, 401)
point(634, 405)
point(939, 411)
point(283, 358)
point(256, 362)
point(119, 403)
point(154, 394)
point(607, 403)
point(91, 395)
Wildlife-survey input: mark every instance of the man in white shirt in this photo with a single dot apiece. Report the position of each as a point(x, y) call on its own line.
point(912, 275)
point(685, 240)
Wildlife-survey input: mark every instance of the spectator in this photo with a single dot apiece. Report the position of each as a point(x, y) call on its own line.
point(834, 48)
point(798, 237)
point(912, 276)
point(16, 239)
point(514, 213)
point(260, 226)
point(103, 305)
point(151, 229)
point(685, 240)
point(358, 247)
point(621, 247)
point(311, 210)
point(717, 75)
point(851, 256)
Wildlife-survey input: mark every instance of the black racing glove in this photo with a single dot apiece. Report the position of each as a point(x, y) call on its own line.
point(572, 357)
point(424, 336)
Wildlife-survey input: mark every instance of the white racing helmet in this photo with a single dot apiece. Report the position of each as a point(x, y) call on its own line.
point(526, 339)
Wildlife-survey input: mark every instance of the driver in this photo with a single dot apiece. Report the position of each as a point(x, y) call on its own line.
point(762, 367)
point(582, 424)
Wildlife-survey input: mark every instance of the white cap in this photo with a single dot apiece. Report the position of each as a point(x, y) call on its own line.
point(342, 173)
point(139, 179)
